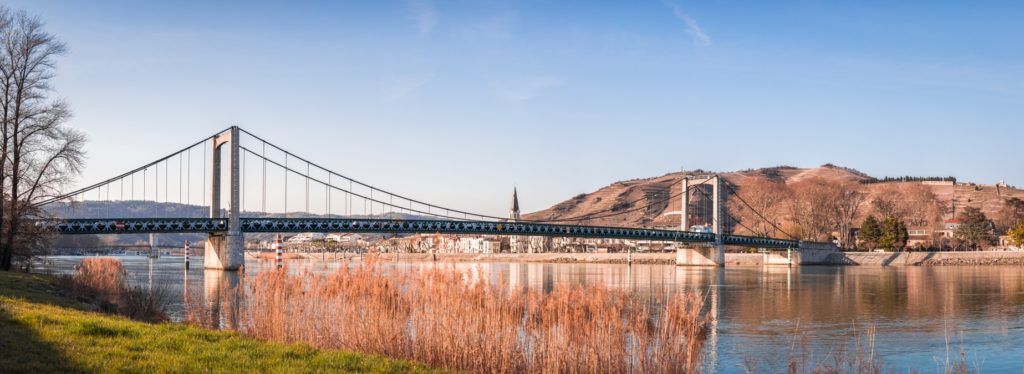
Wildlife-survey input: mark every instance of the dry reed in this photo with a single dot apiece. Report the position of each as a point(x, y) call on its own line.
point(443, 318)
point(104, 281)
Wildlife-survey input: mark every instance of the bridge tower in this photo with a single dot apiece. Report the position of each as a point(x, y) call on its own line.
point(713, 255)
point(226, 250)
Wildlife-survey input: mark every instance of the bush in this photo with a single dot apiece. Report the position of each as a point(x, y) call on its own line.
point(104, 282)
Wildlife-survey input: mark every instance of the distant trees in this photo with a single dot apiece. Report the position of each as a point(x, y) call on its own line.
point(890, 233)
point(870, 232)
point(809, 208)
point(909, 178)
point(894, 234)
point(913, 204)
point(39, 153)
point(768, 198)
point(1017, 235)
point(820, 207)
point(845, 207)
point(1011, 215)
point(975, 230)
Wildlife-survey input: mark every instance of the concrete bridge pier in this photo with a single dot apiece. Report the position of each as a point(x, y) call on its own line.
point(226, 250)
point(712, 255)
point(154, 252)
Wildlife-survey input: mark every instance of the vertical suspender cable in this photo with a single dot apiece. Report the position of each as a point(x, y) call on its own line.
point(286, 185)
point(204, 173)
point(188, 178)
point(263, 190)
point(307, 187)
point(242, 208)
point(180, 168)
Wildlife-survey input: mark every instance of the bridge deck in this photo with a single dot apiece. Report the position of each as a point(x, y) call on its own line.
point(286, 225)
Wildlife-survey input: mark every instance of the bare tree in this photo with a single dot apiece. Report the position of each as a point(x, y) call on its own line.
point(887, 202)
point(40, 152)
point(912, 203)
point(766, 197)
point(810, 208)
point(845, 204)
point(819, 207)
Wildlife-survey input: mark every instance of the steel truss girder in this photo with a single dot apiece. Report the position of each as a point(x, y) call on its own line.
point(284, 225)
point(464, 227)
point(756, 241)
point(135, 225)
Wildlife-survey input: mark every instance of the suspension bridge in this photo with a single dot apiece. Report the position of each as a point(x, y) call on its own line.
point(329, 202)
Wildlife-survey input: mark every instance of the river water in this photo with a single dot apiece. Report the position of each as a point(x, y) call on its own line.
point(761, 313)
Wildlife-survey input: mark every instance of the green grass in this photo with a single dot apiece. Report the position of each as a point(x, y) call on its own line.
point(42, 331)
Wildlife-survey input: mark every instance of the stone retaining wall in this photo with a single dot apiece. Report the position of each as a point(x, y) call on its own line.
point(928, 258)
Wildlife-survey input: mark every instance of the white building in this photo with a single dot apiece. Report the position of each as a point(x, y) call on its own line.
point(305, 237)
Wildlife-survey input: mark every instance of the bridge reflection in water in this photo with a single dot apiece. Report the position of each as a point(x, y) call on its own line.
point(222, 296)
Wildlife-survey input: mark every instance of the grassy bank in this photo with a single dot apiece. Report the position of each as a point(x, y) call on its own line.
point(42, 331)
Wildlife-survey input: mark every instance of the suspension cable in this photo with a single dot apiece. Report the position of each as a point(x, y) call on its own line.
point(368, 201)
point(121, 176)
point(744, 201)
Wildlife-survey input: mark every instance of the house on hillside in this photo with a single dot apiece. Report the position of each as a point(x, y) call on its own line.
point(951, 224)
point(919, 237)
point(949, 227)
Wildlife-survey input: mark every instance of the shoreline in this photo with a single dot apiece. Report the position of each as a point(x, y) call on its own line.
point(950, 258)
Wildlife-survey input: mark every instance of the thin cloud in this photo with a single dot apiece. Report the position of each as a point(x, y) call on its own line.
point(424, 14)
point(396, 87)
point(696, 33)
point(527, 88)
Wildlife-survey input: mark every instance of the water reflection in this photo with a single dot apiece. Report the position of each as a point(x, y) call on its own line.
point(757, 310)
point(222, 296)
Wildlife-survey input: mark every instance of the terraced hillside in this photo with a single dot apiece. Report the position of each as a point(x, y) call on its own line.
point(647, 202)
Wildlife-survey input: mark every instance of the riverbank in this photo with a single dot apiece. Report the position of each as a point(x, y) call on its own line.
point(43, 331)
point(731, 259)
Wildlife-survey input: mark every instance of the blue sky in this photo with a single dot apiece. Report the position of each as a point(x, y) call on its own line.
point(456, 102)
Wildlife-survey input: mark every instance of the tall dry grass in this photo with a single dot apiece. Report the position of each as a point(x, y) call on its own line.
point(98, 278)
point(104, 282)
point(444, 319)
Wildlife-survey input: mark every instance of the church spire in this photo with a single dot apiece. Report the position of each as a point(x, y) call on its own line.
point(513, 214)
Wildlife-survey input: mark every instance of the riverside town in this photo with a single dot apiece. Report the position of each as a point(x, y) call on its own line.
point(511, 187)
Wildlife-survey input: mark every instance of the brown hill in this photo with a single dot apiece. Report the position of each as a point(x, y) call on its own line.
point(646, 202)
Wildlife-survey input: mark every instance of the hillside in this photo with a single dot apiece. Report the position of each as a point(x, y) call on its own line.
point(645, 202)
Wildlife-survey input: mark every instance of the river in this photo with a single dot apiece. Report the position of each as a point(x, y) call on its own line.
point(917, 313)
